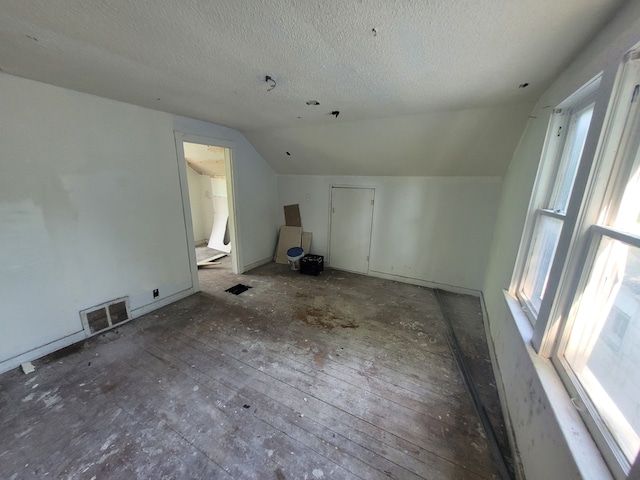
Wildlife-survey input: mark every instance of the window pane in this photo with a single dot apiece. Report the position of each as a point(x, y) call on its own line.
point(628, 215)
point(545, 241)
point(570, 158)
point(604, 347)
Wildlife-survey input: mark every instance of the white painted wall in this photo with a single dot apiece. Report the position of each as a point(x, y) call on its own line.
point(197, 202)
point(429, 229)
point(202, 189)
point(212, 187)
point(207, 205)
point(217, 187)
point(544, 452)
point(91, 210)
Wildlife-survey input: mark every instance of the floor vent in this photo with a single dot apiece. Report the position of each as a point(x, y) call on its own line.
point(238, 289)
point(105, 316)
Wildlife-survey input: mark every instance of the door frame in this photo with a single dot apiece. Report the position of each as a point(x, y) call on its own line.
point(354, 187)
point(229, 145)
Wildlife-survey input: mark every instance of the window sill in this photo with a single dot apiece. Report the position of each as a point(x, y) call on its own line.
point(584, 452)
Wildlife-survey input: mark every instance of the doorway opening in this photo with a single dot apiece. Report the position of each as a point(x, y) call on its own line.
point(208, 203)
point(206, 178)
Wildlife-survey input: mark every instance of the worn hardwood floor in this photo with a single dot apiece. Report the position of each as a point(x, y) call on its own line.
point(330, 377)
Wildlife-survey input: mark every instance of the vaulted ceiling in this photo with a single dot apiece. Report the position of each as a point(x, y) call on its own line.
point(422, 87)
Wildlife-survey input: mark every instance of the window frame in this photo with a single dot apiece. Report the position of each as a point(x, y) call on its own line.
point(551, 161)
point(596, 188)
point(614, 165)
point(578, 394)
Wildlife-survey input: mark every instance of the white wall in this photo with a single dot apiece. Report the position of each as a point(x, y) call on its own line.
point(202, 189)
point(542, 446)
point(197, 202)
point(435, 230)
point(91, 210)
point(211, 187)
point(217, 187)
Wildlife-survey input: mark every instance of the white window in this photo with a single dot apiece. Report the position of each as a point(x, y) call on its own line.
point(565, 142)
point(579, 274)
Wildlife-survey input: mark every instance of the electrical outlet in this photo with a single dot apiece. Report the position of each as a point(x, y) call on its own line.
point(156, 293)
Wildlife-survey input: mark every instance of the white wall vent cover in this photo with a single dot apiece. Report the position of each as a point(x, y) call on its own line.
point(105, 316)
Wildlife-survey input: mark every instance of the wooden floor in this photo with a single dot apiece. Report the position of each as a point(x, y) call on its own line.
point(329, 377)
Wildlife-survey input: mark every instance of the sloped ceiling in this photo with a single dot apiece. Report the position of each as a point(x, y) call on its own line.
point(205, 159)
point(401, 73)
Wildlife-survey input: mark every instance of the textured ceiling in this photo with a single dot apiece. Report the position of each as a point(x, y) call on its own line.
point(208, 59)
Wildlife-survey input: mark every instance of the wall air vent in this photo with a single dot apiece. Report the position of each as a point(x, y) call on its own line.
point(104, 316)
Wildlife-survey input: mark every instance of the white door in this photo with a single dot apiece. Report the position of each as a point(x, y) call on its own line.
point(351, 218)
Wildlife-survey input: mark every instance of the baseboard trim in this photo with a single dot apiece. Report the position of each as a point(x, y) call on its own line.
point(502, 393)
point(257, 264)
point(61, 343)
point(163, 302)
point(425, 283)
point(40, 352)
